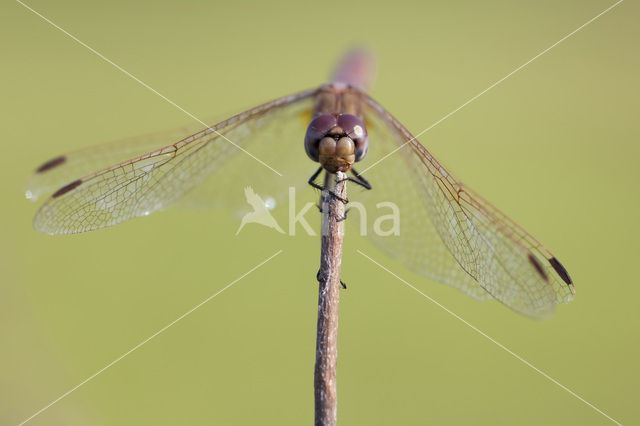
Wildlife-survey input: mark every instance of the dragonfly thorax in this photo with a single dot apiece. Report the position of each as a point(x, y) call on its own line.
point(336, 141)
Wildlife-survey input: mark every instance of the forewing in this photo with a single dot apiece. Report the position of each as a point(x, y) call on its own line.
point(58, 171)
point(149, 182)
point(451, 234)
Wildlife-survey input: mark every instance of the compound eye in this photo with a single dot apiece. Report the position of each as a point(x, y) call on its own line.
point(320, 126)
point(318, 129)
point(353, 126)
point(355, 129)
point(362, 147)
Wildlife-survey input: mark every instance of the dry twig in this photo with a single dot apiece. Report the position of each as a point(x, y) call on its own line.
point(333, 214)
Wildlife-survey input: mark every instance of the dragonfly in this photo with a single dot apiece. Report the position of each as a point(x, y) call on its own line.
point(448, 232)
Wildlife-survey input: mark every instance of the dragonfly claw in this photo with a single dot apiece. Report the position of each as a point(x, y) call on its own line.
point(323, 279)
point(336, 196)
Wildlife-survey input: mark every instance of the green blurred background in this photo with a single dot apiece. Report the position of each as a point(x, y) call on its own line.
point(555, 147)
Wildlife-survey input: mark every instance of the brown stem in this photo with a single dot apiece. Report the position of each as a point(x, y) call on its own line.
point(333, 210)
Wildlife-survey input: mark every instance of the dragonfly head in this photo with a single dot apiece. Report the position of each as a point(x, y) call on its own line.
point(336, 141)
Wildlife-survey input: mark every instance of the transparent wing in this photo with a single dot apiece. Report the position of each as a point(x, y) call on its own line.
point(151, 181)
point(63, 169)
point(449, 233)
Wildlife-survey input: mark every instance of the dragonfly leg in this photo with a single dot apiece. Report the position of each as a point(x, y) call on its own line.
point(321, 279)
point(333, 194)
point(312, 182)
point(312, 179)
point(340, 219)
point(358, 180)
point(319, 206)
point(337, 197)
